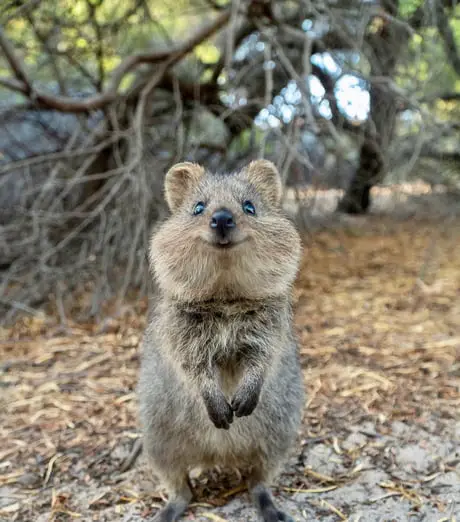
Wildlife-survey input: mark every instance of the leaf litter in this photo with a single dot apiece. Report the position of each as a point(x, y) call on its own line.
point(378, 321)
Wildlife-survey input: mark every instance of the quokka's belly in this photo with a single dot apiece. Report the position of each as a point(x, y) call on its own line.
point(239, 446)
point(264, 434)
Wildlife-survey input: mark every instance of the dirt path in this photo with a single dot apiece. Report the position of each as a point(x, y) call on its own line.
point(378, 318)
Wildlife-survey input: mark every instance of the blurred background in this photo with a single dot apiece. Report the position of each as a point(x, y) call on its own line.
point(99, 97)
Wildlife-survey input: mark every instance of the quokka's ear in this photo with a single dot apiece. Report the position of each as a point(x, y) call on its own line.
point(266, 180)
point(178, 182)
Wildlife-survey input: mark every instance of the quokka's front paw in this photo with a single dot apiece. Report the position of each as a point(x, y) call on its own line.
point(219, 411)
point(245, 400)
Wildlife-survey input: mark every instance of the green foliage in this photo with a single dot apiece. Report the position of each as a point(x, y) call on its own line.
point(408, 7)
point(426, 72)
point(207, 53)
point(84, 40)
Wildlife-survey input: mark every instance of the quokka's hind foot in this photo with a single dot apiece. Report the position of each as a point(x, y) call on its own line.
point(171, 512)
point(264, 502)
point(179, 499)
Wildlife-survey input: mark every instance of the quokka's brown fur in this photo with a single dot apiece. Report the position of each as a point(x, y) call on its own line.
point(220, 380)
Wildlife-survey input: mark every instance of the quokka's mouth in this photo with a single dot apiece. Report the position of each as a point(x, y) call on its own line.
point(224, 244)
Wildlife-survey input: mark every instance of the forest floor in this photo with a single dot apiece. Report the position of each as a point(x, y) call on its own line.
point(378, 318)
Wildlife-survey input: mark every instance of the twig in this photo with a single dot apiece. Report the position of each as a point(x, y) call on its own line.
point(130, 460)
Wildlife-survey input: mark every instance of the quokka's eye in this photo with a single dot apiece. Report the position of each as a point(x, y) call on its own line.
point(249, 208)
point(199, 208)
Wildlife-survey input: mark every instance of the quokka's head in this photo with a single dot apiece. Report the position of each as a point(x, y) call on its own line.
point(226, 237)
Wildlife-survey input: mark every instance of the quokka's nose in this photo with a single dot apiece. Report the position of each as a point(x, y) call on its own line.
point(222, 221)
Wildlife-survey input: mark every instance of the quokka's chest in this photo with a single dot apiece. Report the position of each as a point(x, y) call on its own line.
point(219, 332)
point(225, 334)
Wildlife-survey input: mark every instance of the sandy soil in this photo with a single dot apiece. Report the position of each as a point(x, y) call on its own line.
point(378, 318)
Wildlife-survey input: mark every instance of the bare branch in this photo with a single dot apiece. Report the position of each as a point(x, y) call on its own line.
point(14, 62)
point(99, 43)
point(13, 85)
point(444, 96)
point(98, 101)
point(450, 45)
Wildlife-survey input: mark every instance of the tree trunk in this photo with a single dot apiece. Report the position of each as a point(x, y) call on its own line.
point(385, 46)
point(357, 197)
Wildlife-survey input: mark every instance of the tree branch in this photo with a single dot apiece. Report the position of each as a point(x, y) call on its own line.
point(450, 45)
point(14, 62)
point(444, 96)
point(98, 101)
point(243, 32)
point(13, 85)
point(92, 8)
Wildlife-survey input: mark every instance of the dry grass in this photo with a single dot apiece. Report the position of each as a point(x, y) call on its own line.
point(378, 317)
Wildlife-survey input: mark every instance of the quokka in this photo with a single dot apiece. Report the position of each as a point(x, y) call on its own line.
point(220, 381)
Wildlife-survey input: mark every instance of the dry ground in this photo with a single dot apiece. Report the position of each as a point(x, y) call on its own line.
point(378, 317)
